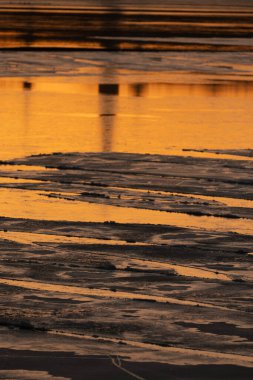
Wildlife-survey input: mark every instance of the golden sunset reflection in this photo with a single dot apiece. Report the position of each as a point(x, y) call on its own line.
point(37, 205)
point(44, 115)
point(30, 238)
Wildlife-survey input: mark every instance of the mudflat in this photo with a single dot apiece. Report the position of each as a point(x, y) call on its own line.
point(128, 265)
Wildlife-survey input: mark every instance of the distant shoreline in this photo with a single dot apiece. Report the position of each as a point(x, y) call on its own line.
point(118, 29)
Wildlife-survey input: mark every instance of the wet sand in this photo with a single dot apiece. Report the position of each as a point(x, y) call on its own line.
point(134, 298)
point(98, 367)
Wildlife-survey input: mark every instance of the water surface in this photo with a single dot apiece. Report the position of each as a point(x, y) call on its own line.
point(112, 113)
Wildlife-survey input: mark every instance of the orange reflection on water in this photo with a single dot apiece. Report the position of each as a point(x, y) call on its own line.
point(34, 238)
point(181, 270)
point(36, 205)
point(44, 115)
